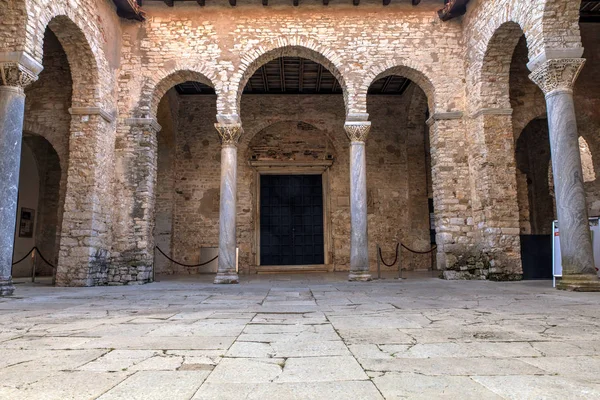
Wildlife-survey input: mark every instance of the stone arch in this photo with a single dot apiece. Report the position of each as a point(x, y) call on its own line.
point(494, 74)
point(36, 129)
point(283, 47)
point(410, 70)
point(255, 132)
point(155, 88)
point(250, 133)
point(50, 204)
point(83, 64)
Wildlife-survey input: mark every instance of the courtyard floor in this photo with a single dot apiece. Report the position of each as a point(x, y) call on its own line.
point(300, 337)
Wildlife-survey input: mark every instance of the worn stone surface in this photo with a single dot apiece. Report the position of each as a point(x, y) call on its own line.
point(418, 338)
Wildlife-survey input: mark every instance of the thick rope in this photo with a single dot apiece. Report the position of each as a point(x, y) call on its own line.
point(420, 252)
point(39, 253)
point(395, 259)
point(186, 265)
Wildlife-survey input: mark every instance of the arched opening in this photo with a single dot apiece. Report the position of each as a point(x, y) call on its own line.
point(39, 210)
point(186, 218)
point(309, 55)
point(399, 181)
point(536, 204)
point(294, 161)
point(45, 154)
point(291, 162)
point(535, 191)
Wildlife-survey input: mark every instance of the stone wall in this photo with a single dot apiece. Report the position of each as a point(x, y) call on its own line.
point(295, 128)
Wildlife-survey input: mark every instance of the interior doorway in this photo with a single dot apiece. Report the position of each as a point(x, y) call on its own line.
point(291, 220)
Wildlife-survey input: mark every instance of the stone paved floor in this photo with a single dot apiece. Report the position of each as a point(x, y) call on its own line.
point(300, 337)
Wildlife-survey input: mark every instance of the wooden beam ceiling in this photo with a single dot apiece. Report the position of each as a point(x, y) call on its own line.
point(297, 76)
point(131, 9)
point(233, 3)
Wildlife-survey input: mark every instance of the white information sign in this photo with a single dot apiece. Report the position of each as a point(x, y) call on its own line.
point(556, 257)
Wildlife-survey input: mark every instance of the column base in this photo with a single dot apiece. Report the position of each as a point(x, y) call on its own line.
point(359, 276)
point(226, 278)
point(6, 287)
point(579, 283)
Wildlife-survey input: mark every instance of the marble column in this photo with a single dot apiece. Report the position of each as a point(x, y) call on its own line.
point(227, 271)
point(556, 78)
point(13, 79)
point(357, 132)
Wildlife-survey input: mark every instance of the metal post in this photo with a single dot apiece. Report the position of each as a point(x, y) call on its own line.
point(400, 262)
point(378, 262)
point(154, 264)
point(33, 266)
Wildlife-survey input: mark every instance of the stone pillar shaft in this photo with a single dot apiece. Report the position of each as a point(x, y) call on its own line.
point(12, 108)
point(227, 266)
point(139, 157)
point(556, 78)
point(17, 70)
point(359, 247)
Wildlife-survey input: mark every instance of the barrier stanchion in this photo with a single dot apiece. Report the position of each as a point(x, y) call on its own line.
point(33, 266)
point(34, 252)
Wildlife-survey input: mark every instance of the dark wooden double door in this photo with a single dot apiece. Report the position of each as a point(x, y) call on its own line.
point(291, 220)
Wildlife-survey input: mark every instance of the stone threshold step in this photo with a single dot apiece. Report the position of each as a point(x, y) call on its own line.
point(292, 269)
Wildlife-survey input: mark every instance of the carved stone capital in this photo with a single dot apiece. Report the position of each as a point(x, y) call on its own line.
point(557, 74)
point(229, 133)
point(16, 75)
point(357, 131)
point(18, 69)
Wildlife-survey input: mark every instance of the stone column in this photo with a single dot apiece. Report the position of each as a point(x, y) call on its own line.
point(556, 78)
point(15, 75)
point(357, 132)
point(230, 134)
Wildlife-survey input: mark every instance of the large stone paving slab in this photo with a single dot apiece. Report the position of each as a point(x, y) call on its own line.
point(302, 337)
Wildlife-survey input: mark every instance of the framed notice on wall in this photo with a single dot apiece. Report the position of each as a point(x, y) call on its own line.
point(26, 222)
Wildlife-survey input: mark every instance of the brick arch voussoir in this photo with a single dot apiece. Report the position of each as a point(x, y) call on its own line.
point(250, 134)
point(493, 75)
point(37, 129)
point(158, 84)
point(82, 52)
point(405, 68)
point(284, 46)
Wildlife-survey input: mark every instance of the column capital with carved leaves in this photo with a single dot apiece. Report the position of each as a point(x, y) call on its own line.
point(18, 70)
point(357, 131)
point(229, 133)
point(557, 75)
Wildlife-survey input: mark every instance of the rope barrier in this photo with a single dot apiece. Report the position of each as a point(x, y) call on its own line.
point(39, 253)
point(418, 252)
point(395, 259)
point(186, 265)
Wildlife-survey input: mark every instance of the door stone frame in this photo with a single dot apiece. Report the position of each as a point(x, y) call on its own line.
point(317, 167)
